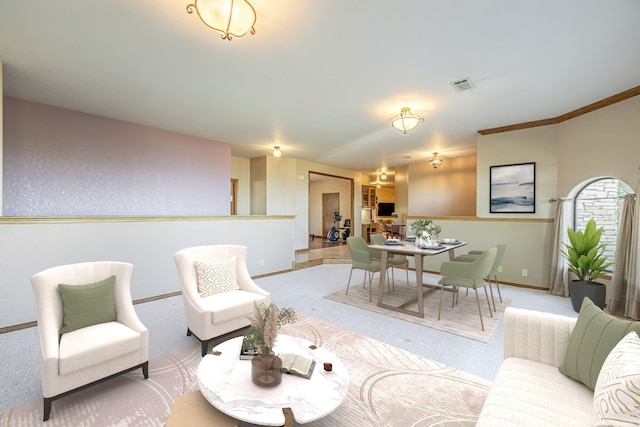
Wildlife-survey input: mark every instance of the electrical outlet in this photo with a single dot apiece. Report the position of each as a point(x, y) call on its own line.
point(262, 263)
point(525, 272)
point(499, 269)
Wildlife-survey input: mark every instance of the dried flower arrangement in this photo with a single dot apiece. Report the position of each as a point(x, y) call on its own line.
point(265, 324)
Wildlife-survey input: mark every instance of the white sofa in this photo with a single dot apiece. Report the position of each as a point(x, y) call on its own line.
point(528, 389)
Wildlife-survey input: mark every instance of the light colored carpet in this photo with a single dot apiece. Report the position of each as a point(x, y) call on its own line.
point(462, 320)
point(388, 387)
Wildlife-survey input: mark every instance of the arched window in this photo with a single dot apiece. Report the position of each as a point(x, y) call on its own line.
point(602, 200)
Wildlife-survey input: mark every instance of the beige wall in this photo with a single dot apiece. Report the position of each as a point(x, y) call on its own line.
point(448, 190)
point(537, 145)
point(605, 142)
point(402, 193)
point(241, 170)
point(281, 185)
point(258, 189)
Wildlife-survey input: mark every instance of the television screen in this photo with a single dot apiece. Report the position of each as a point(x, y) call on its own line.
point(386, 209)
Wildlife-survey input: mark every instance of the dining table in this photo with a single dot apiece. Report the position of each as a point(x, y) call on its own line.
point(409, 248)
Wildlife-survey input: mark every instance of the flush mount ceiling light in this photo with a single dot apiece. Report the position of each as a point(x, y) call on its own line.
point(406, 121)
point(436, 161)
point(228, 17)
point(383, 176)
point(277, 152)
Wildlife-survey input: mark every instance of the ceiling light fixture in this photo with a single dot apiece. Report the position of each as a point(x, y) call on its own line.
point(383, 176)
point(406, 121)
point(436, 161)
point(228, 17)
point(277, 152)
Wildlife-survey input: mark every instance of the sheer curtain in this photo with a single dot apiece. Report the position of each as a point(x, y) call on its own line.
point(559, 274)
point(624, 297)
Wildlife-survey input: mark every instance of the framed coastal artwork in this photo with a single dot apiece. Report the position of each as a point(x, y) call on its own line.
point(513, 188)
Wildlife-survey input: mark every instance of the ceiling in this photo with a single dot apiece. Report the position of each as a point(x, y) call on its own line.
point(323, 78)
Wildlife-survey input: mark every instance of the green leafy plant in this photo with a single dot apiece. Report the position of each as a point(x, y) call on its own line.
point(585, 253)
point(432, 231)
point(420, 224)
point(265, 324)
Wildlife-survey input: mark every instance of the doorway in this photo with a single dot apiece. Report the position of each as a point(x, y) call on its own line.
point(330, 204)
point(321, 219)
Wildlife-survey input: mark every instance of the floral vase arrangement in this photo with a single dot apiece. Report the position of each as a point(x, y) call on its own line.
point(425, 228)
point(262, 334)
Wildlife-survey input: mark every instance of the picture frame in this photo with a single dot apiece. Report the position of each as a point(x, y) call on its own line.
point(512, 188)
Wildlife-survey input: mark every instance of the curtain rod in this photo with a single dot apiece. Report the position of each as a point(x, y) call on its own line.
point(594, 198)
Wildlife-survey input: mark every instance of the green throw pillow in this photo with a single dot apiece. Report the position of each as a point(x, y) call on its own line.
point(596, 333)
point(86, 305)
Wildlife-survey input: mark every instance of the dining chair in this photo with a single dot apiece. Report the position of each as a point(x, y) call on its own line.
point(397, 231)
point(386, 228)
point(364, 258)
point(394, 260)
point(493, 274)
point(470, 275)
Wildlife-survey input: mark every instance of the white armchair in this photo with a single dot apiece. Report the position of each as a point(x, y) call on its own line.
point(225, 309)
point(89, 354)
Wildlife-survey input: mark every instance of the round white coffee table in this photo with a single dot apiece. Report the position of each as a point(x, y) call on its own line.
point(225, 381)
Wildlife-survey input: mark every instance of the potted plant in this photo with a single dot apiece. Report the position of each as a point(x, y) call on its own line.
point(586, 259)
point(261, 335)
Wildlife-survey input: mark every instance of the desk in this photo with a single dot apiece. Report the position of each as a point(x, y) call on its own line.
point(410, 249)
point(225, 381)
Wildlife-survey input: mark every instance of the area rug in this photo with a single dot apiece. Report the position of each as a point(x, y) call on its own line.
point(462, 320)
point(388, 387)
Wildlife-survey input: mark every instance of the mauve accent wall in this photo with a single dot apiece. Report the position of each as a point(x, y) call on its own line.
point(60, 162)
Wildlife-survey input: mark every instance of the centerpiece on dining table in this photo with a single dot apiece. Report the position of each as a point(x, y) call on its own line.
point(426, 233)
point(266, 366)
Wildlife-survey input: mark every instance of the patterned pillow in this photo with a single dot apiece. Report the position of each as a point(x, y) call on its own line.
point(216, 276)
point(616, 398)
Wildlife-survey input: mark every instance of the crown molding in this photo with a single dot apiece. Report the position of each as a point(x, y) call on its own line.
point(570, 115)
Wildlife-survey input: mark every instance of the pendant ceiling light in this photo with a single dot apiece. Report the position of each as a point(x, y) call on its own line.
point(406, 121)
point(436, 161)
point(230, 18)
point(277, 152)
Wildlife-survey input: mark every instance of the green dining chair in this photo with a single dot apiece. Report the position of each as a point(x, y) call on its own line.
point(393, 260)
point(493, 274)
point(363, 258)
point(470, 275)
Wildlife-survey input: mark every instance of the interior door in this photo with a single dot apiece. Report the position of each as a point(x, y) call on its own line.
point(330, 204)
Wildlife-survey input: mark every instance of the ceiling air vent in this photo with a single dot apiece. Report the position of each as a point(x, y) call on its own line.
point(462, 85)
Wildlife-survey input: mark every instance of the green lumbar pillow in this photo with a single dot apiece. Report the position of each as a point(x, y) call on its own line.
point(86, 305)
point(596, 333)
